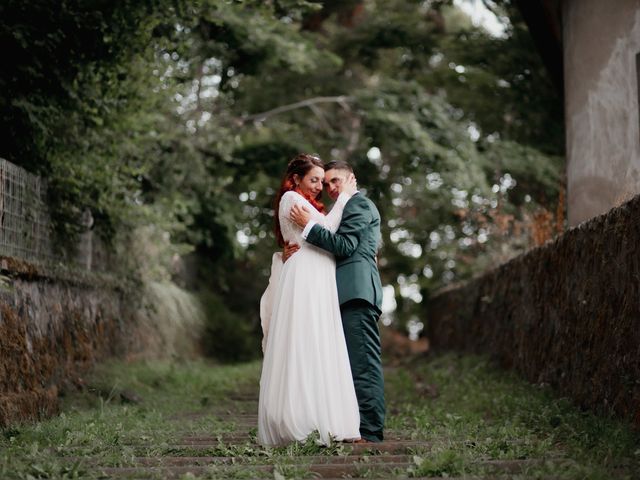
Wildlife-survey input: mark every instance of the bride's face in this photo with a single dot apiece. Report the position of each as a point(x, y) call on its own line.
point(311, 183)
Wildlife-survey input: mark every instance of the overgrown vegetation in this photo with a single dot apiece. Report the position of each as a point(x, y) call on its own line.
point(181, 116)
point(469, 412)
point(477, 411)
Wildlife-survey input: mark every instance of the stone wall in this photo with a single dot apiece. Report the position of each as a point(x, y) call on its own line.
point(53, 327)
point(565, 314)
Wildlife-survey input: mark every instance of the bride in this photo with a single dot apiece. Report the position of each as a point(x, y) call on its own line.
point(306, 383)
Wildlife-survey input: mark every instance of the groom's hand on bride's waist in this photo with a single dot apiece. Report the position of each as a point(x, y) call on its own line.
point(300, 215)
point(288, 250)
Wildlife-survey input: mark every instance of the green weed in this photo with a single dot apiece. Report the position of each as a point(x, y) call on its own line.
point(484, 413)
point(466, 410)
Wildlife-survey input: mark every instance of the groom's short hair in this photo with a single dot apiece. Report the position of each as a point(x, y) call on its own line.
point(338, 165)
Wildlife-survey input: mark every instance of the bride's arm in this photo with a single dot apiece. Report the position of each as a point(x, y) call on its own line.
point(332, 220)
point(287, 202)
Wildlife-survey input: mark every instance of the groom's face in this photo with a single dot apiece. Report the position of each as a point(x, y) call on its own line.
point(334, 179)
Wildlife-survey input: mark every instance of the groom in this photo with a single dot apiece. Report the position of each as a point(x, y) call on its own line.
point(355, 246)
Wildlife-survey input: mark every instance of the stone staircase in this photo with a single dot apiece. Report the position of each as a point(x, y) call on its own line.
point(234, 453)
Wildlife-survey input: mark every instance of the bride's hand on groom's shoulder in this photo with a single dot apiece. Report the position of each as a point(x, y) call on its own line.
point(350, 187)
point(300, 215)
point(288, 250)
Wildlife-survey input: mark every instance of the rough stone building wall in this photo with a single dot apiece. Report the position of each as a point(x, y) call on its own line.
point(601, 71)
point(52, 328)
point(565, 314)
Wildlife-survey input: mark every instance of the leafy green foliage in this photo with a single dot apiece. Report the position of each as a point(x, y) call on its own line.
point(74, 77)
point(226, 335)
point(183, 115)
point(502, 86)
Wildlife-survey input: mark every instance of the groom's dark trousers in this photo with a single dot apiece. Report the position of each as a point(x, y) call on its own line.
point(360, 321)
point(355, 245)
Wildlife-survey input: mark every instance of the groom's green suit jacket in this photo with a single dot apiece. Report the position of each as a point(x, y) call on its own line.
point(355, 245)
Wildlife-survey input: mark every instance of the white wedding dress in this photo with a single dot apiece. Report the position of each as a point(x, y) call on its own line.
point(306, 382)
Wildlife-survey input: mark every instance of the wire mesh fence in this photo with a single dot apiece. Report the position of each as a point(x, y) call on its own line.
point(26, 230)
point(25, 226)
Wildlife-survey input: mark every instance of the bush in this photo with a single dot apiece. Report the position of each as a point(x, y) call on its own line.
point(227, 336)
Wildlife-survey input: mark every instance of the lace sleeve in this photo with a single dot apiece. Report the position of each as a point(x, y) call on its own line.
point(332, 220)
point(288, 200)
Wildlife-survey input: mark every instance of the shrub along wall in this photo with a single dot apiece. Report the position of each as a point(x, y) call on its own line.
point(565, 314)
point(53, 326)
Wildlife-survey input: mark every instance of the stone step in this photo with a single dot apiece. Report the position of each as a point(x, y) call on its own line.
point(336, 468)
point(266, 471)
point(390, 447)
point(465, 477)
point(222, 416)
point(236, 437)
point(171, 461)
point(243, 437)
point(243, 397)
point(234, 415)
point(387, 447)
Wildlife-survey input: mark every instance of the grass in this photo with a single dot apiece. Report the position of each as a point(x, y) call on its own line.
point(482, 413)
point(469, 413)
point(105, 428)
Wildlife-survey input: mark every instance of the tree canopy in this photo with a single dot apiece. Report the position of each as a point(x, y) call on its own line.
point(183, 114)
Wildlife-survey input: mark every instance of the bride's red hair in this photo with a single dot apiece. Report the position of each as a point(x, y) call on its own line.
point(299, 165)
